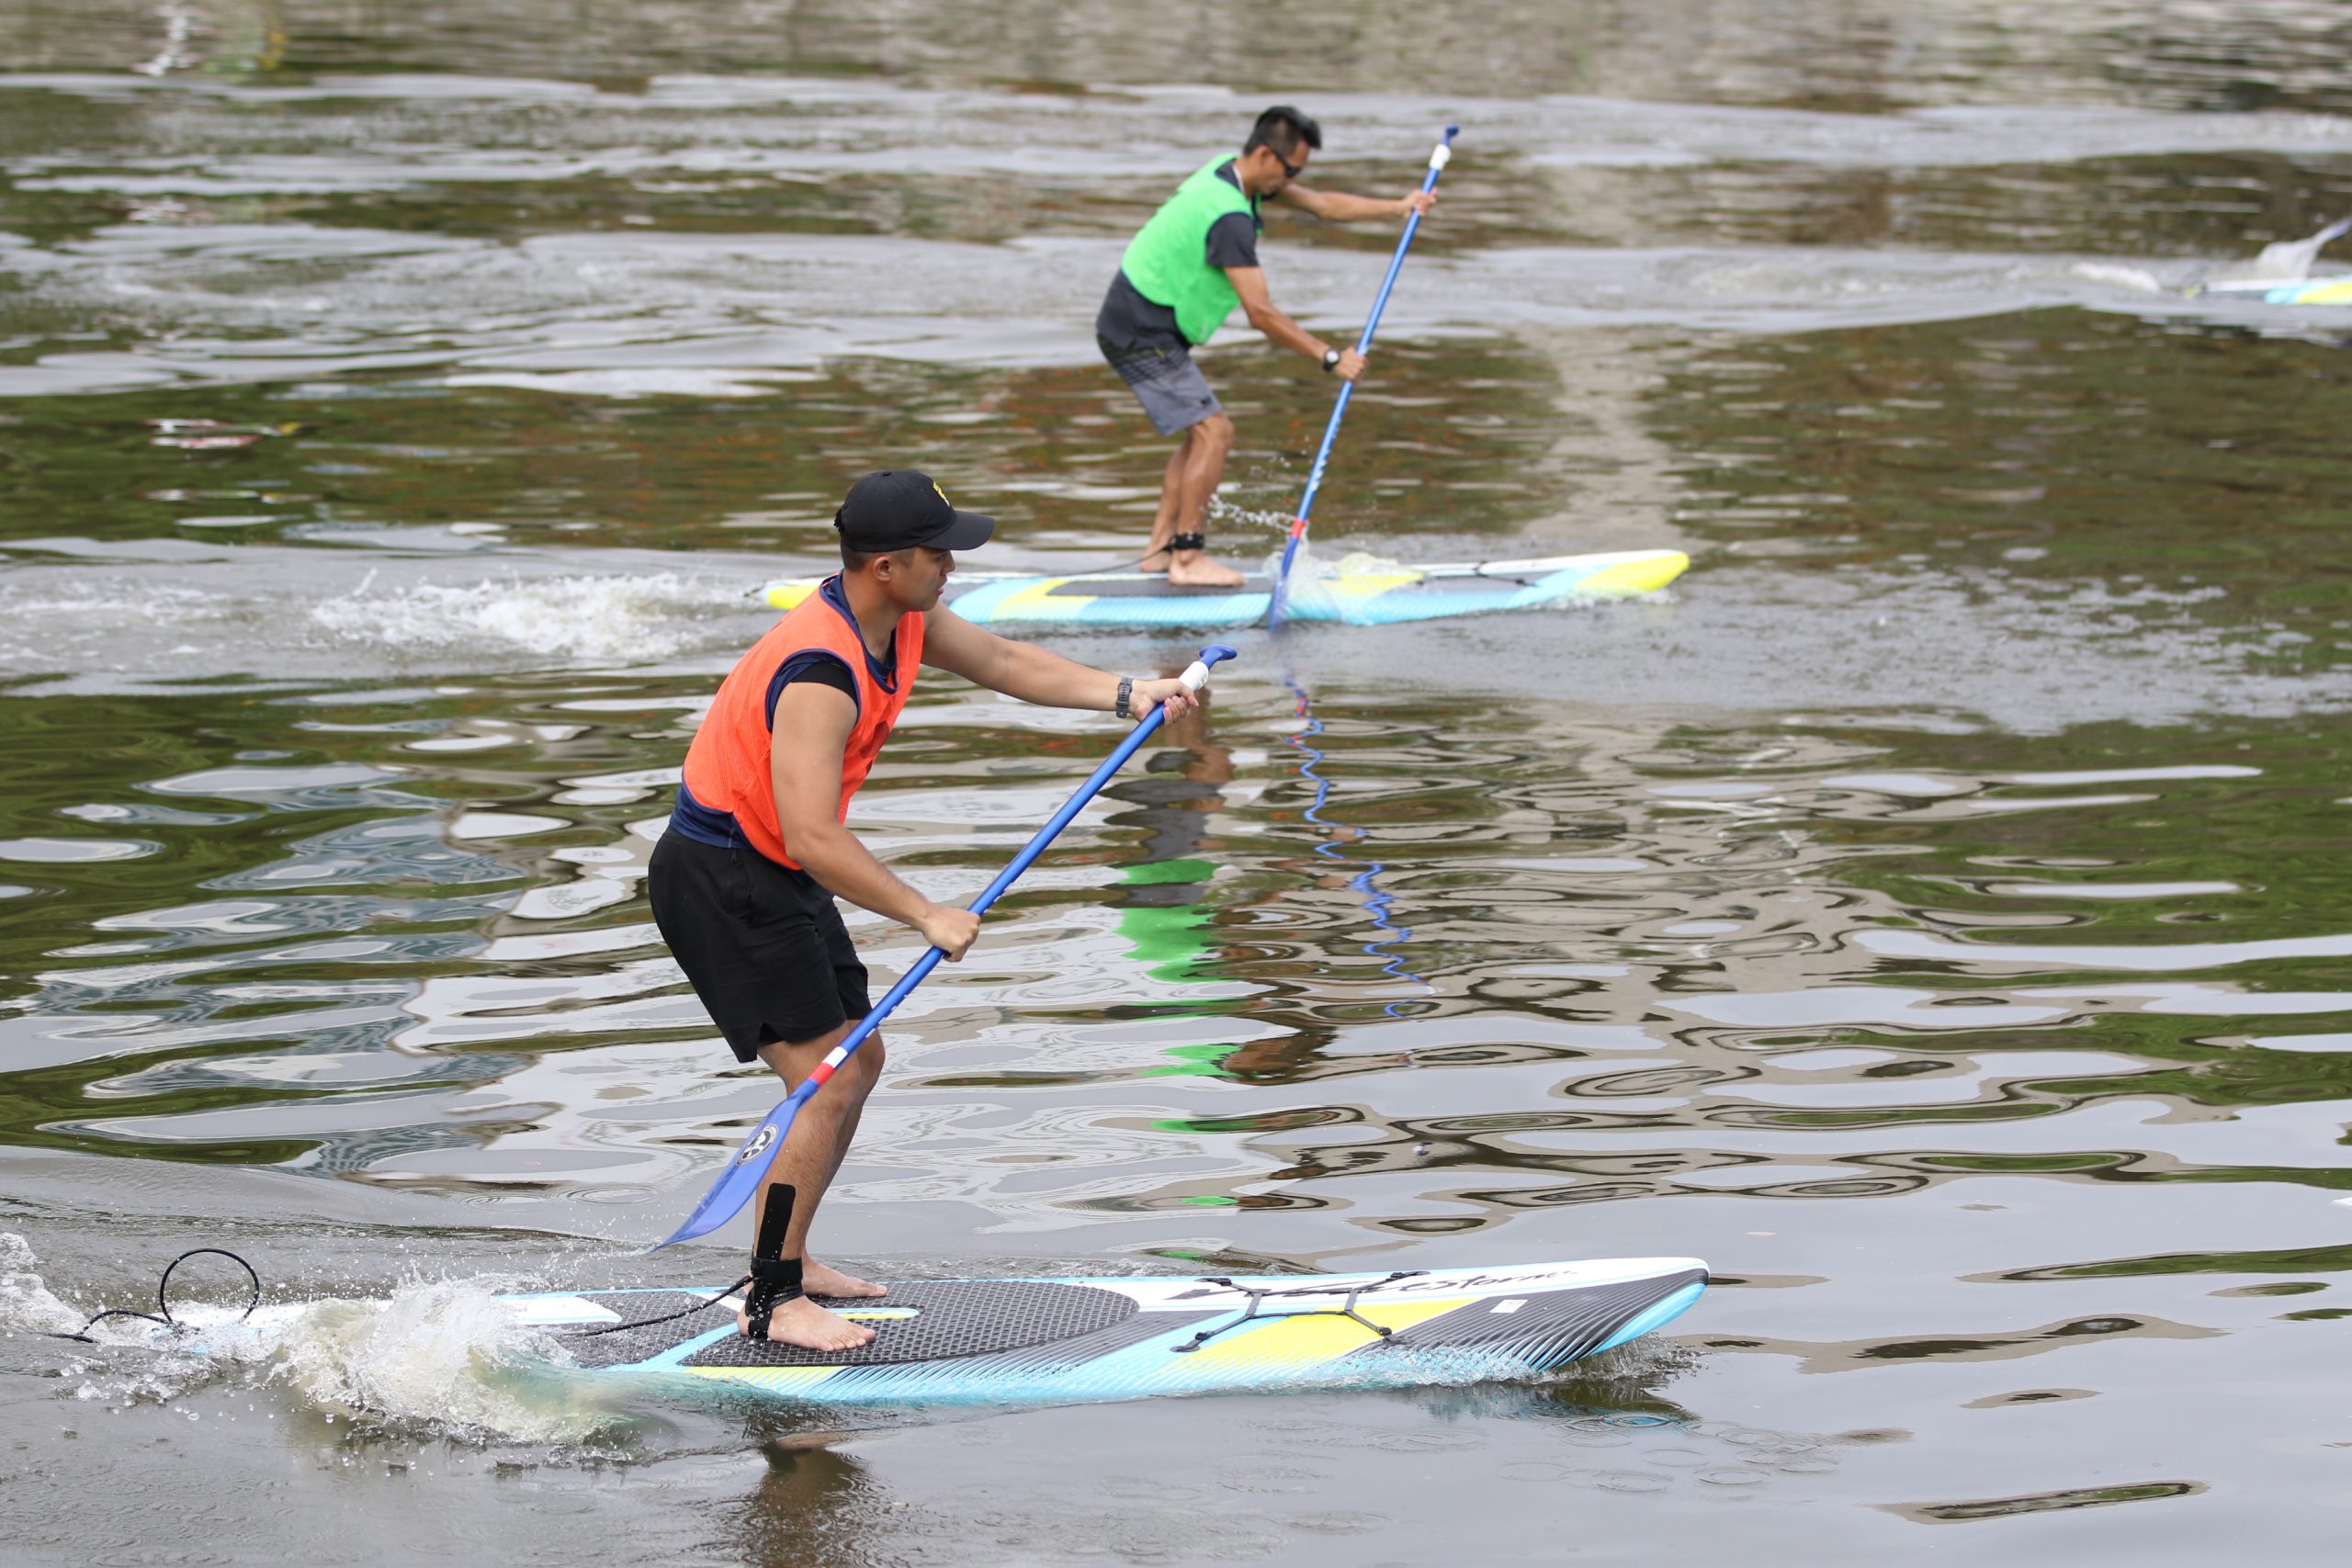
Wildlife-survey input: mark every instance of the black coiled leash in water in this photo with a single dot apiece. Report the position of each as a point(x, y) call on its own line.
point(163, 1313)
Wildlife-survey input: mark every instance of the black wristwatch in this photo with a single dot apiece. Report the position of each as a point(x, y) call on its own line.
point(1127, 690)
point(1331, 360)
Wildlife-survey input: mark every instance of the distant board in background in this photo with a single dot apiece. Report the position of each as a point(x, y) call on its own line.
point(2305, 291)
point(1378, 593)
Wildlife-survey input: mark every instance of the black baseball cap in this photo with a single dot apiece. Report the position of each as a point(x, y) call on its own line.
point(896, 509)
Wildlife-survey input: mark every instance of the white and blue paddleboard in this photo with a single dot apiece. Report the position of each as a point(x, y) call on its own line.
point(984, 1341)
point(1381, 595)
point(971, 1342)
point(990, 1341)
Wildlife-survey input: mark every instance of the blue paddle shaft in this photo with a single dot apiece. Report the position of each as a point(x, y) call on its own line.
point(1439, 156)
point(742, 1176)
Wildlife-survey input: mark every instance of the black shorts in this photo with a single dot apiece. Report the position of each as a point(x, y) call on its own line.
point(762, 944)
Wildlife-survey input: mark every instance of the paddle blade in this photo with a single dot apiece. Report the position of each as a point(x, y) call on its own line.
point(740, 1178)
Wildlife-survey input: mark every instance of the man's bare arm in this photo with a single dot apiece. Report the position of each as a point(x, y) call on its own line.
point(1034, 674)
point(1338, 207)
point(1249, 283)
point(810, 735)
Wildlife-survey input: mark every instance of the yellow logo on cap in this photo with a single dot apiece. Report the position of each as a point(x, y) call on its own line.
point(939, 493)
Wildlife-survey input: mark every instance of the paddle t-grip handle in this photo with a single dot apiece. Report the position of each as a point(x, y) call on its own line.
point(1196, 673)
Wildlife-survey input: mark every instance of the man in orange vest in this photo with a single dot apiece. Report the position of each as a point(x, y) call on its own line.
point(742, 883)
point(1181, 277)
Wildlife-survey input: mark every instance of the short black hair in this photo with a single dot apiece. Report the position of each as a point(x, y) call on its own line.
point(1283, 128)
point(851, 561)
point(857, 560)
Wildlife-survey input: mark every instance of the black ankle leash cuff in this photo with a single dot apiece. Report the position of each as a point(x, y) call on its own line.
point(1189, 542)
point(774, 1283)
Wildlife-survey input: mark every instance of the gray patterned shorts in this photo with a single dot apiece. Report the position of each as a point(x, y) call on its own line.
point(1166, 381)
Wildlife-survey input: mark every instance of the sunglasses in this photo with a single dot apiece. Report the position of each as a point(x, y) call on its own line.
point(1290, 170)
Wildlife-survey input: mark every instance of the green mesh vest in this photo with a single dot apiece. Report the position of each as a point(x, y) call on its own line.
point(1168, 260)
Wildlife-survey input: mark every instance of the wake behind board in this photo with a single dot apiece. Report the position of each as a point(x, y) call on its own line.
point(1383, 595)
point(993, 1342)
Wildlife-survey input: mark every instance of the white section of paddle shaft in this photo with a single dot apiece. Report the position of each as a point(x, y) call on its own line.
point(1195, 676)
point(1440, 156)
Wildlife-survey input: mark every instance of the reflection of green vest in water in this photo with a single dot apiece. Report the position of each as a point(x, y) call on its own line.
point(1168, 260)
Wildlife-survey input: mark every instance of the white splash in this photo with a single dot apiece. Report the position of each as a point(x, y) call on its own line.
point(27, 1306)
point(564, 617)
point(445, 1356)
point(2137, 278)
point(1311, 587)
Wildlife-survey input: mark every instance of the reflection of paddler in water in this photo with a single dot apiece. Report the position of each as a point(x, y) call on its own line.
point(806, 1494)
point(1162, 920)
point(742, 883)
point(1365, 883)
point(1165, 918)
point(1180, 277)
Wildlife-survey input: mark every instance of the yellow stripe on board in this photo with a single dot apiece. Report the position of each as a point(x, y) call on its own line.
point(1364, 584)
point(1305, 1341)
point(775, 1379)
point(1647, 575)
point(1030, 603)
point(787, 596)
point(2326, 294)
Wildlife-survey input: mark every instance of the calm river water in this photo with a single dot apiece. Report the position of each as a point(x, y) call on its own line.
point(1932, 911)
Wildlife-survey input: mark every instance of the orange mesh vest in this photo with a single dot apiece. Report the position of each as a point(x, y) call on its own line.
point(726, 767)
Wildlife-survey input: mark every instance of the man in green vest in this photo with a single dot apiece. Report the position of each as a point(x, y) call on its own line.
point(1181, 277)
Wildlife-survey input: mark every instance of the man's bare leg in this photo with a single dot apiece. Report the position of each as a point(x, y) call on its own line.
point(1171, 503)
point(1204, 449)
point(823, 1279)
point(811, 1152)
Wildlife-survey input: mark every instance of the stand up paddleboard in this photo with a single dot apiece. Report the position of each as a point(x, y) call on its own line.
point(1066, 1340)
point(1382, 595)
point(989, 1341)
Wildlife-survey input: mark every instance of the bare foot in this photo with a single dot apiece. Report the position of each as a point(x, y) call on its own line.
point(823, 1280)
point(1198, 572)
point(803, 1323)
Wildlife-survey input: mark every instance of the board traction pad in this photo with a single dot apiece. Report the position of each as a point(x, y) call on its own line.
point(954, 1319)
point(596, 1351)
